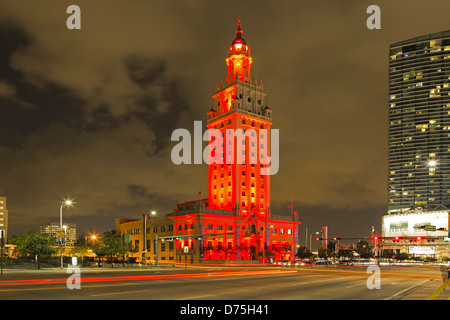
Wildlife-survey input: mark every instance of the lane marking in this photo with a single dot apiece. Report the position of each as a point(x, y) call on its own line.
point(409, 288)
point(438, 291)
point(120, 292)
point(196, 297)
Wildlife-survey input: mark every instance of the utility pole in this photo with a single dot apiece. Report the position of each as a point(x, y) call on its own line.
point(144, 245)
point(306, 239)
point(2, 243)
point(156, 249)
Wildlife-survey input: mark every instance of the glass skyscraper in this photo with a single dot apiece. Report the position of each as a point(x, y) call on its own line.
point(419, 124)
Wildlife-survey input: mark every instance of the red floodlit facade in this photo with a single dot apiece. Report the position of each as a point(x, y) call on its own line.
point(235, 221)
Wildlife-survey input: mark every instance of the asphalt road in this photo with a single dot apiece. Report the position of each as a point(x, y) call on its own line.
point(216, 283)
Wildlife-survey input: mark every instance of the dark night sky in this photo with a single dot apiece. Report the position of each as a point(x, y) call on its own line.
point(88, 114)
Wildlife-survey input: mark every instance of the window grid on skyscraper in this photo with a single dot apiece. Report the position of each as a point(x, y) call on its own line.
point(419, 122)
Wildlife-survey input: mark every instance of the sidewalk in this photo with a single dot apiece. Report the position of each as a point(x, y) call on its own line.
point(435, 289)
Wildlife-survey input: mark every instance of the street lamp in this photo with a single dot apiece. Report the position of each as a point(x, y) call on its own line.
point(144, 245)
point(310, 244)
point(67, 203)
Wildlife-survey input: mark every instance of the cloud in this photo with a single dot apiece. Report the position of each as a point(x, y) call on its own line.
point(6, 89)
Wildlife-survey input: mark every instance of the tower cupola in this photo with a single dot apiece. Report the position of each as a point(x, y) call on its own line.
point(239, 59)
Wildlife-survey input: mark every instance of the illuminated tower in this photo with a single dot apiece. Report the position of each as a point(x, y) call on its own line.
point(235, 222)
point(237, 184)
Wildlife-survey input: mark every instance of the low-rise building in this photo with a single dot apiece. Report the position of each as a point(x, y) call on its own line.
point(141, 235)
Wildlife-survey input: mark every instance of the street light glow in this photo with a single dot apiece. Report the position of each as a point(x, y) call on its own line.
point(93, 236)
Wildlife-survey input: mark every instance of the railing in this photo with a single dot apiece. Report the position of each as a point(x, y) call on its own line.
point(199, 209)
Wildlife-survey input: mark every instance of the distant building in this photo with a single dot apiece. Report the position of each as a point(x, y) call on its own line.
point(69, 234)
point(4, 216)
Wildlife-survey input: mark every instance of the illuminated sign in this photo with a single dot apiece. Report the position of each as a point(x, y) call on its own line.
point(416, 224)
point(421, 250)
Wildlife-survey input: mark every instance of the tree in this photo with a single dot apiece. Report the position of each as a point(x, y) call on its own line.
point(81, 247)
point(324, 253)
point(19, 242)
point(364, 250)
point(38, 245)
point(401, 256)
point(388, 254)
point(345, 253)
point(111, 245)
point(303, 253)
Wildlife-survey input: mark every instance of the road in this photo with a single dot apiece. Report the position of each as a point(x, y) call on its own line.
point(218, 283)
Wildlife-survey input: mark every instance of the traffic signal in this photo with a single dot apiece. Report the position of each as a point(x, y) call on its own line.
point(319, 239)
point(396, 239)
point(336, 238)
point(376, 238)
point(418, 238)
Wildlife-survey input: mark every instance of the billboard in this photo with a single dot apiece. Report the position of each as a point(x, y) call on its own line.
point(421, 250)
point(416, 224)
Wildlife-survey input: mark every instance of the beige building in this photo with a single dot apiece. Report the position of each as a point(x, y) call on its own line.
point(4, 216)
point(142, 240)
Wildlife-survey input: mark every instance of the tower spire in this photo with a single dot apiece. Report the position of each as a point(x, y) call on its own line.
point(239, 31)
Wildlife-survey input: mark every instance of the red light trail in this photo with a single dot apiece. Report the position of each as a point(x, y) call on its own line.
point(135, 278)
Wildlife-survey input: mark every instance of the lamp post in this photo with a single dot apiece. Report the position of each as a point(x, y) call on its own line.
point(144, 245)
point(310, 244)
point(66, 203)
point(65, 239)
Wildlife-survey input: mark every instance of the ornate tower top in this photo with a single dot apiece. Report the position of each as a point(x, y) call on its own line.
point(239, 33)
point(239, 59)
